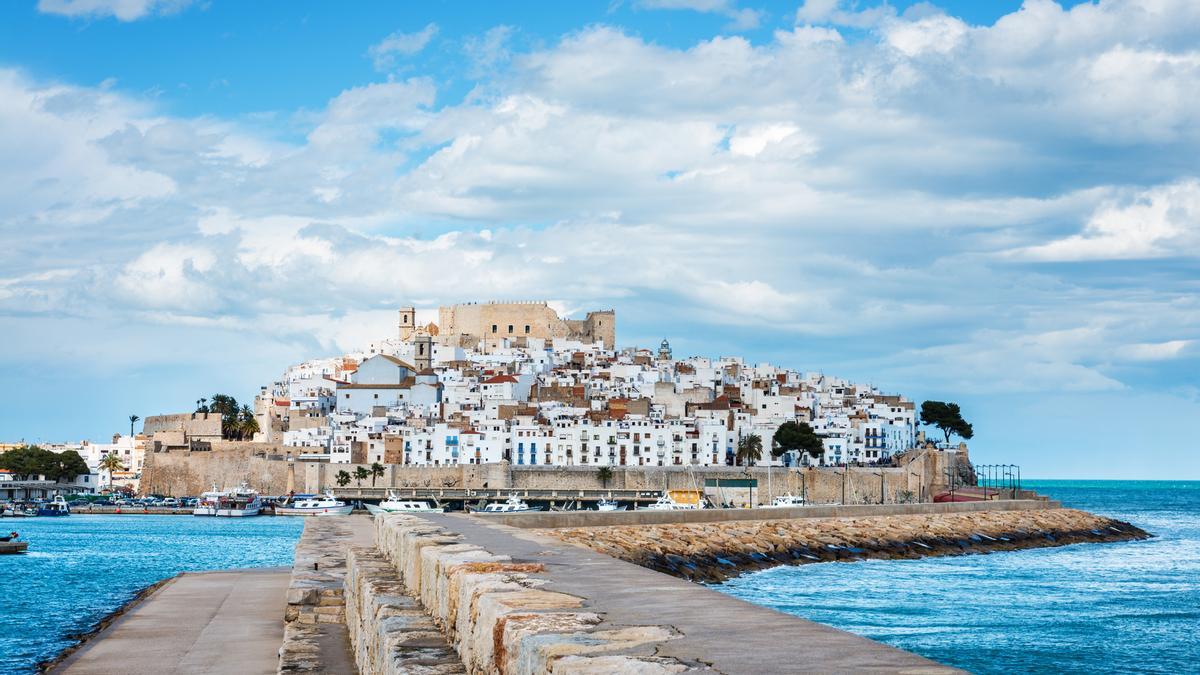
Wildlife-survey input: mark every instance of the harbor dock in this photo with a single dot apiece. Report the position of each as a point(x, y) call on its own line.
point(209, 623)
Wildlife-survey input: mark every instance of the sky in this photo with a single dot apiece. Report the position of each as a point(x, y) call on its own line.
point(995, 203)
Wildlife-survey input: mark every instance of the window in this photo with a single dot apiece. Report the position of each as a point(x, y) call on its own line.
point(510, 329)
point(527, 329)
point(493, 328)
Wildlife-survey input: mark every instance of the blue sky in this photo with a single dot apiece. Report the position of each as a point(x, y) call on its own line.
point(988, 202)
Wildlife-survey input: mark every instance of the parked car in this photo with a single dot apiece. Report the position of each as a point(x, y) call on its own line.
point(170, 501)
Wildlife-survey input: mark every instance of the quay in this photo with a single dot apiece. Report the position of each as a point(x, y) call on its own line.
point(567, 593)
point(208, 623)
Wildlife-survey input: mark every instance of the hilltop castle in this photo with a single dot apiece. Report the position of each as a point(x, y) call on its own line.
point(468, 324)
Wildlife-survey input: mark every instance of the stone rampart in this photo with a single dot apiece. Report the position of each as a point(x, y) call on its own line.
point(182, 473)
point(499, 620)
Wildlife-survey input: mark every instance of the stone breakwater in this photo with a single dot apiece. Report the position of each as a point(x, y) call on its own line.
point(714, 552)
point(492, 610)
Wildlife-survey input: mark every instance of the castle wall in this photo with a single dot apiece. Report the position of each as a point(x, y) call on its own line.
point(510, 319)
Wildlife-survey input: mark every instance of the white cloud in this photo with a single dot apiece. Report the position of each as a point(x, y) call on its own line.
point(872, 193)
point(741, 19)
point(398, 44)
point(122, 10)
point(1160, 222)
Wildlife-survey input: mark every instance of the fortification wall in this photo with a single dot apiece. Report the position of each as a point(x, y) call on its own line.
point(183, 473)
point(510, 319)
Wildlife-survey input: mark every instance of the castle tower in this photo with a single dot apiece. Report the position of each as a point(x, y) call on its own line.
point(423, 351)
point(664, 351)
point(408, 323)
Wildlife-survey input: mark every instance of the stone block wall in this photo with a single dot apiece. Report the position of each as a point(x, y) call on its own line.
point(497, 616)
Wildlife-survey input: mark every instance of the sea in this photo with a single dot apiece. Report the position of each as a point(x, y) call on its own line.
point(1131, 607)
point(80, 568)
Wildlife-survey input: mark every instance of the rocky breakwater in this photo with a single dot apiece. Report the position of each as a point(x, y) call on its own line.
point(714, 552)
point(493, 611)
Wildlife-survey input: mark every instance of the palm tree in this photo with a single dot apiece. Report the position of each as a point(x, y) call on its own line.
point(604, 474)
point(376, 472)
point(343, 478)
point(247, 424)
point(112, 463)
point(132, 420)
point(749, 450)
point(360, 474)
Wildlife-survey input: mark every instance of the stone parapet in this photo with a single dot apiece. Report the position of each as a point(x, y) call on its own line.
point(498, 617)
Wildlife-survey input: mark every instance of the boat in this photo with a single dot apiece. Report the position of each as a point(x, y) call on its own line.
point(56, 507)
point(513, 504)
point(394, 504)
point(676, 500)
point(11, 545)
point(784, 501)
point(608, 505)
point(15, 511)
point(244, 501)
point(209, 502)
point(320, 505)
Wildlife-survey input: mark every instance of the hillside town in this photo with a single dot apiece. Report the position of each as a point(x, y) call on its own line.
point(513, 382)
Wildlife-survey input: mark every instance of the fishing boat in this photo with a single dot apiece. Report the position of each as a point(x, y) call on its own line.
point(242, 502)
point(513, 504)
point(320, 505)
point(394, 504)
point(677, 500)
point(784, 501)
point(57, 507)
point(209, 502)
point(16, 511)
point(608, 505)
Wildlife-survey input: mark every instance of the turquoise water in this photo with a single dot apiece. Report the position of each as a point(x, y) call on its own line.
point(1124, 607)
point(80, 568)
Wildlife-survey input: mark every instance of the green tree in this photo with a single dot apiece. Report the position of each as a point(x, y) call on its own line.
point(26, 462)
point(111, 463)
point(749, 450)
point(132, 420)
point(947, 417)
point(360, 474)
point(797, 437)
point(343, 478)
point(66, 466)
point(604, 474)
point(247, 424)
point(377, 471)
point(227, 407)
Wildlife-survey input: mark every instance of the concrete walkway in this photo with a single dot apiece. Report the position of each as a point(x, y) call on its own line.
point(725, 634)
point(211, 622)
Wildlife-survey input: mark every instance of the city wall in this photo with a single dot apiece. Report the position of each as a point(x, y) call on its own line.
point(264, 467)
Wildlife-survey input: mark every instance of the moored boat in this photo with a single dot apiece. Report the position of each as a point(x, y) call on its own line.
point(320, 505)
point(784, 501)
point(242, 502)
point(513, 504)
point(394, 504)
point(608, 505)
point(209, 502)
point(677, 500)
point(57, 507)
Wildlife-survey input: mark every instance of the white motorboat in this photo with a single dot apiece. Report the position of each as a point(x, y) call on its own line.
point(244, 501)
point(784, 501)
point(209, 502)
point(513, 504)
point(667, 502)
point(608, 505)
point(394, 504)
point(321, 505)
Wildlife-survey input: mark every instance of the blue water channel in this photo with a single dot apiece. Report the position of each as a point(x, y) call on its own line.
point(81, 567)
point(1086, 608)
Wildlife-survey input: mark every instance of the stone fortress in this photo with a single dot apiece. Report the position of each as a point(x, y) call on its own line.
point(468, 324)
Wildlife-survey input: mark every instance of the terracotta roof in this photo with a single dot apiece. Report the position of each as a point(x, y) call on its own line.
point(398, 362)
point(500, 379)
